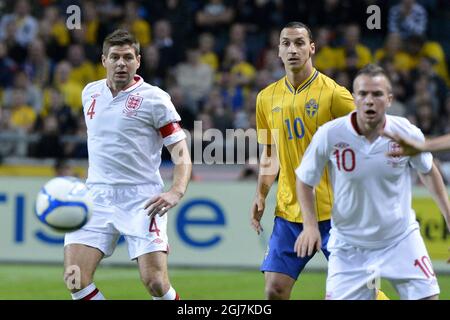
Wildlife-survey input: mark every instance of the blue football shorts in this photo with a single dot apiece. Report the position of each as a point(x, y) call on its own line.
point(280, 255)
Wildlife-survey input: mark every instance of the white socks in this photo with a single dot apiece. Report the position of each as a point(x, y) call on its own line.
point(89, 293)
point(170, 295)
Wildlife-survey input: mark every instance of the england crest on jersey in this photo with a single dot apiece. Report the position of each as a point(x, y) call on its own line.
point(311, 108)
point(132, 105)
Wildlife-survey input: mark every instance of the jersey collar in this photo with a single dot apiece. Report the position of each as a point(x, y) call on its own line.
point(138, 81)
point(353, 124)
point(302, 86)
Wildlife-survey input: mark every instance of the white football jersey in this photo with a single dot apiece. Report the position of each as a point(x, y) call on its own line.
point(123, 132)
point(372, 192)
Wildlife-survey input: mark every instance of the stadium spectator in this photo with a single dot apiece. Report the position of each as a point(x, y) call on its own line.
point(70, 89)
point(49, 144)
point(408, 18)
point(375, 235)
point(128, 121)
point(187, 115)
point(178, 14)
point(207, 54)
point(169, 54)
point(232, 93)
point(215, 16)
point(67, 123)
point(288, 107)
point(352, 54)
point(220, 114)
point(393, 51)
point(22, 114)
point(273, 65)
point(133, 22)
point(7, 67)
point(53, 49)
point(194, 78)
point(10, 147)
point(32, 94)
point(57, 26)
point(83, 71)
point(38, 67)
point(77, 146)
point(91, 22)
point(151, 69)
point(25, 26)
point(235, 62)
point(418, 47)
point(324, 58)
point(436, 85)
point(79, 37)
point(272, 39)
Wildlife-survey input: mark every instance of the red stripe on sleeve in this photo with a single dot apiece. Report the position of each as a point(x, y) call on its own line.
point(170, 128)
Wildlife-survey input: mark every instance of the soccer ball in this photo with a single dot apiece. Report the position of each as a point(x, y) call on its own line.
point(64, 204)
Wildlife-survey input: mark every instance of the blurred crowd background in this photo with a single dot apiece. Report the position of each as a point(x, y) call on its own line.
point(211, 56)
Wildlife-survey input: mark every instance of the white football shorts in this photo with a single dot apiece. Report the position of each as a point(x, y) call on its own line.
point(354, 273)
point(119, 210)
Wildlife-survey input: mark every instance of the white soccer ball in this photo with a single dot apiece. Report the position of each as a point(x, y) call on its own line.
point(64, 204)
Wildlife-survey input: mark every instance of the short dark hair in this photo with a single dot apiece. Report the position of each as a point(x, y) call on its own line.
point(120, 37)
point(296, 24)
point(374, 70)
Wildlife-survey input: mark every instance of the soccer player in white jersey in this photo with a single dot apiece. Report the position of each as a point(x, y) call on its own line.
point(128, 121)
point(374, 231)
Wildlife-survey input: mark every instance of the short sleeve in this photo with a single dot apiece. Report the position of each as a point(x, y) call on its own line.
point(262, 125)
point(315, 158)
point(341, 102)
point(423, 161)
point(163, 114)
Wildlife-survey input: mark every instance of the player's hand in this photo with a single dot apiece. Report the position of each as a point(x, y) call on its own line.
point(161, 203)
point(308, 242)
point(257, 213)
point(408, 147)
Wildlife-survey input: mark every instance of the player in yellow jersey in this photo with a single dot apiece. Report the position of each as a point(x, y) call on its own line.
point(289, 112)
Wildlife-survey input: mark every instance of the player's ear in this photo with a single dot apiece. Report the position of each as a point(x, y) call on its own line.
point(138, 58)
point(103, 60)
point(390, 98)
point(312, 51)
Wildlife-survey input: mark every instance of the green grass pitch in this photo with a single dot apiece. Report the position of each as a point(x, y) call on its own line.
point(29, 282)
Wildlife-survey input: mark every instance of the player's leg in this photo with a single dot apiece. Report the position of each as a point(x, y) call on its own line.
point(84, 248)
point(408, 266)
point(281, 265)
point(151, 250)
point(80, 263)
point(155, 277)
point(349, 278)
point(278, 286)
point(325, 227)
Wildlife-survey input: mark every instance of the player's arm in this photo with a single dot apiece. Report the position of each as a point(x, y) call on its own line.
point(309, 239)
point(411, 147)
point(308, 175)
point(434, 183)
point(181, 176)
point(268, 170)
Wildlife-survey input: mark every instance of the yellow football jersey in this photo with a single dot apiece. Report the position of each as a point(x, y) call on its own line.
point(288, 118)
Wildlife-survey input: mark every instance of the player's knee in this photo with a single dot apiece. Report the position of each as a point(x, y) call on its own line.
point(275, 291)
point(156, 285)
